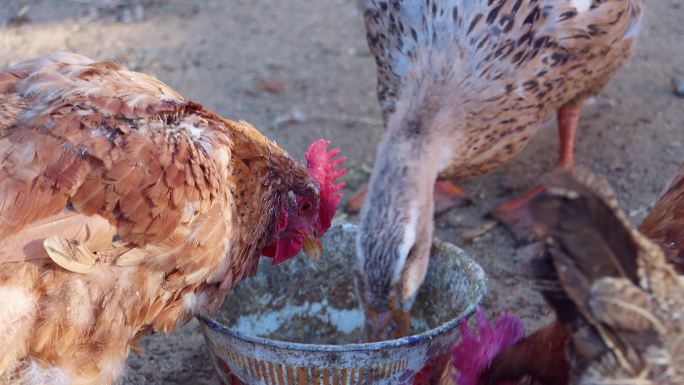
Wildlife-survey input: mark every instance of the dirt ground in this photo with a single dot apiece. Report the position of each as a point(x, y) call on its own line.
point(300, 70)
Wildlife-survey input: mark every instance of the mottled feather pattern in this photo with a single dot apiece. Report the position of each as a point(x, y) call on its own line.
point(190, 197)
point(627, 323)
point(500, 65)
point(463, 86)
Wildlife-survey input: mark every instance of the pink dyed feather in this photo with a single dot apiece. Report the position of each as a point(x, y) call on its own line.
point(322, 166)
point(473, 354)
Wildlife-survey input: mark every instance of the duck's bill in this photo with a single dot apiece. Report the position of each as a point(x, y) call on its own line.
point(313, 247)
point(386, 324)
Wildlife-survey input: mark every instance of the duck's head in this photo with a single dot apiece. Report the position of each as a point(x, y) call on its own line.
point(393, 245)
point(396, 224)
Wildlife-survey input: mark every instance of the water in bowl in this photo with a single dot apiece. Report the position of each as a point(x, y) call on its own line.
point(316, 303)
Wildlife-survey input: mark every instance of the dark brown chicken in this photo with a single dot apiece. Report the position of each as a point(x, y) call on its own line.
point(586, 223)
point(125, 210)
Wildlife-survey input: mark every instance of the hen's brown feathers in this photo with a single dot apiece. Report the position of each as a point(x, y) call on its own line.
point(101, 138)
point(534, 356)
point(172, 202)
point(665, 223)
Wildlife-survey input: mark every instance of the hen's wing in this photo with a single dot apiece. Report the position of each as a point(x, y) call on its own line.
point(485, 38)
point(665, 223)
point(95, 233)
point(108, 142)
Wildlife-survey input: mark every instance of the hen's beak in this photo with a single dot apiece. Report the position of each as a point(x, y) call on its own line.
point(312, 247)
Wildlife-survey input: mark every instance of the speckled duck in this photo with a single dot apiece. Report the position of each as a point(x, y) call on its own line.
point(463, 86)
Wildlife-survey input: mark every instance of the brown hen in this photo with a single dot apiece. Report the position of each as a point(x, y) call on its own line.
point(126, 210)
point(665, 223)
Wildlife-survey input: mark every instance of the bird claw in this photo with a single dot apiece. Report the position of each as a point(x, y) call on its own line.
point(516, 217)
point(447, 196)
point(355, 203)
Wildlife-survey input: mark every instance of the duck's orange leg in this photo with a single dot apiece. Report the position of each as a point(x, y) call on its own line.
point(568, 119)
point(510, 213)
point(356, 201)
point(447, 196)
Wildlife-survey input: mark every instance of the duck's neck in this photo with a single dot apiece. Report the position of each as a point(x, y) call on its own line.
point(400, 203)
point(420, 132)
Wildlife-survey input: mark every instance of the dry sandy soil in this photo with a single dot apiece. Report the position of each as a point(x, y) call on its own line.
point(300, 70)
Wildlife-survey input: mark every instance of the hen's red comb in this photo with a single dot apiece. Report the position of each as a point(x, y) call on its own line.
point(322, 166)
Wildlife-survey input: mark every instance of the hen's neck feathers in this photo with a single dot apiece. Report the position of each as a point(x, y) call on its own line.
point(260, 173)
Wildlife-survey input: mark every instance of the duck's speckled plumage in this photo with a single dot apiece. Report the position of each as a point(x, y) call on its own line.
point(501, 66)
point(463, 86)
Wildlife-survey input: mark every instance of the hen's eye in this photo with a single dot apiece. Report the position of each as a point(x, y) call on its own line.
point(305, 207)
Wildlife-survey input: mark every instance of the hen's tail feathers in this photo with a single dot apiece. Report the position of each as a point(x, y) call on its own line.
point(665, 223)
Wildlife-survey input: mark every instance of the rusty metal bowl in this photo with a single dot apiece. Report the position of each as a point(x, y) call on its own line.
point(300, 322)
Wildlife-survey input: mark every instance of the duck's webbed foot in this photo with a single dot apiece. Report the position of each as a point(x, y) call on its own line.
point(512, 213)
point(447, 196)
point(356, 201)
